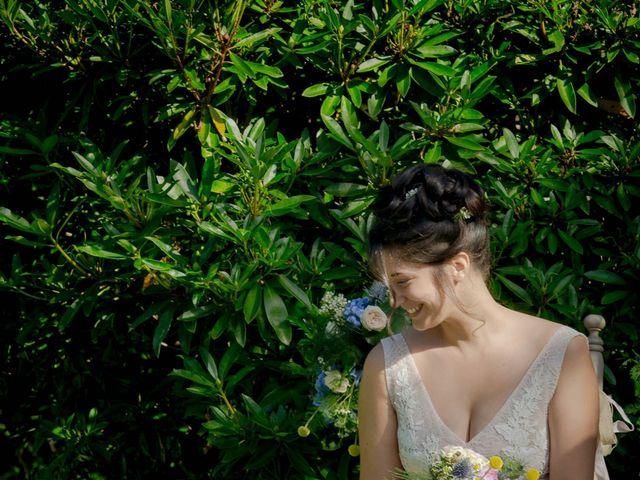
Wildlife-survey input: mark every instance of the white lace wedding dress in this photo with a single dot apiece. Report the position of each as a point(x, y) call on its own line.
point(518, 430)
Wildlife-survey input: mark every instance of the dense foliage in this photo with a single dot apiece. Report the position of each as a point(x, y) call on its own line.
point(183, 180)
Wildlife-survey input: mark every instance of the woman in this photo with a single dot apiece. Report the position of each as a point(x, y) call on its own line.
point(471, 372)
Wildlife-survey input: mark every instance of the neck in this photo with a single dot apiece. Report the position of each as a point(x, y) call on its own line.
point(476, 318)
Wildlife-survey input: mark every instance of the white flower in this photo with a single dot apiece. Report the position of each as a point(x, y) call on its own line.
point(478, 462)
point(332, 304)
point(335, 382)
point(373, 318)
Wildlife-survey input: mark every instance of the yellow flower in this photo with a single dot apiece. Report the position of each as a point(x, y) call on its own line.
point(304, 431)
point(354, 450)
point(496, 462)
point(533, 474)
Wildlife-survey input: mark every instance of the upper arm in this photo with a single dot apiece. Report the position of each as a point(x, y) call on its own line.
point(377, 422)
point(573, 416)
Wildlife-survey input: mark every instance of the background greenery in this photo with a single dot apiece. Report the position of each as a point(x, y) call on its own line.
point(182, 180)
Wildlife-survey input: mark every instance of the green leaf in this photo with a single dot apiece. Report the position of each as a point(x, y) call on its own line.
point(195, 376)
point(571, 242)
point(197, 312)
point(16, 151)
point(154, 309)
point(244, 68)
point(165, 248)
point(255, 38)
point(96, 250)
point(615, 296)
point(184, 124)
point(465, 142)
point(625, 94)
point(437, 68)
point(294, 290)
point(316, 90)
point(373, 64)
point(239, 330)
point(605, 276)
point(252, 303)
point(161, 331)
point(337, 131)
point(435, 51)
point(345, 189)
point(588, 94)
point(552, 243)
point(15, 221)
point(512, 143)
point(214, 230)
point(287, 205)
point(520, 292)
point(277, 315)
point(567, 94)
point(209, 363)
point(229, 359)
point(557, 136)
point(86, 164)
point(383, 136)
point(403, 81)
point(157, 265)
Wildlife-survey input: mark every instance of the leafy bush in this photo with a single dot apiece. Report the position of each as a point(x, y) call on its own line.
point(183, 181)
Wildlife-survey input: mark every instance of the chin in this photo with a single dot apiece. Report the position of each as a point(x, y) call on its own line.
point(422, 325)
point(421, 328)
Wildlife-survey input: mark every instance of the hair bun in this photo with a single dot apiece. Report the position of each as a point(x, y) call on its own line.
point(432, 193)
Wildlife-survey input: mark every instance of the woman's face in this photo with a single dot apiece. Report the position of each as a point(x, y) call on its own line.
point(414, 288)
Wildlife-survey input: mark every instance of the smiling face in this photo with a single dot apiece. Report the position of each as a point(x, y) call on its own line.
point(419, 290)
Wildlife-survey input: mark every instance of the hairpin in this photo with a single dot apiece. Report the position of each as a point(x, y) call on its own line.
point(462, 215)
point(410, 193)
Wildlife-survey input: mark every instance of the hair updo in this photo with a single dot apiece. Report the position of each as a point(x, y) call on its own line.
point(429, 214)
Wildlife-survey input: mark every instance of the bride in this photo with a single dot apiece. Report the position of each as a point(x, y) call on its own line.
point(471, 372)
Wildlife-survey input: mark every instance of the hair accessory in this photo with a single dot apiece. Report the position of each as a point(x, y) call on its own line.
point(462, 215)
point(410, 193)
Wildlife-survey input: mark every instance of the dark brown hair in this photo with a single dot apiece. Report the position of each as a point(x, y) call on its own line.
point(428, 215)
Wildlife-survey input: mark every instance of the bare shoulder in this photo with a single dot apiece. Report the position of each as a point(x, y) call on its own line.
point(578, 351)
point(534, 328)
point(375, 359)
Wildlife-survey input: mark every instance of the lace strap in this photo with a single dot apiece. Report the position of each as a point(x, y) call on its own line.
point(395, 353)
point(547, 367)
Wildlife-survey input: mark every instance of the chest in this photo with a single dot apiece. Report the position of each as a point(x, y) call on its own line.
point(467, 392)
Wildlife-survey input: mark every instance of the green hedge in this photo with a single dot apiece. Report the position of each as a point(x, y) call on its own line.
point(182, 181)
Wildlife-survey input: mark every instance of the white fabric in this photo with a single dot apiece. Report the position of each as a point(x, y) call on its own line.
point(600, 471)
point(518, 430)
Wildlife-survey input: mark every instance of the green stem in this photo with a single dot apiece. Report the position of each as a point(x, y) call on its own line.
point(56, 243)
point(226, 400)
point(67, 257)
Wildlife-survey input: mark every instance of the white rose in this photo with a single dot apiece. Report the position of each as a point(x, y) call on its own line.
point(335, 381)
point(373, 318)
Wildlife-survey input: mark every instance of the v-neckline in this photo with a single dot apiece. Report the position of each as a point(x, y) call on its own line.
point(504, 405)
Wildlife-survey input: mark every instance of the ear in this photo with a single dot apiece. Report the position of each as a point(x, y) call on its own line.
point(461, 264)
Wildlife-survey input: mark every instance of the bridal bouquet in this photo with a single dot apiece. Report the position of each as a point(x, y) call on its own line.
point(457, 463)
point(344, 330)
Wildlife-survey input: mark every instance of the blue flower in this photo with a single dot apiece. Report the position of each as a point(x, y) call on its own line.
point(378, 293)
point(321, 389)
point(353, 311)
point(462, 469)
point(356, 375)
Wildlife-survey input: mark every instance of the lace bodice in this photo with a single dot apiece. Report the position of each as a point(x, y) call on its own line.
point(518, 430)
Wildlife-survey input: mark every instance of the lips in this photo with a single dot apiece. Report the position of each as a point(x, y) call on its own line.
point(414, 310)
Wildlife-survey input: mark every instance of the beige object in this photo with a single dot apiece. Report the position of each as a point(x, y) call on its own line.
point(608, 428)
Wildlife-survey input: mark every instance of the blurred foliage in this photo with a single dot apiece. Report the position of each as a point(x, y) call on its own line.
point(182, 180)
